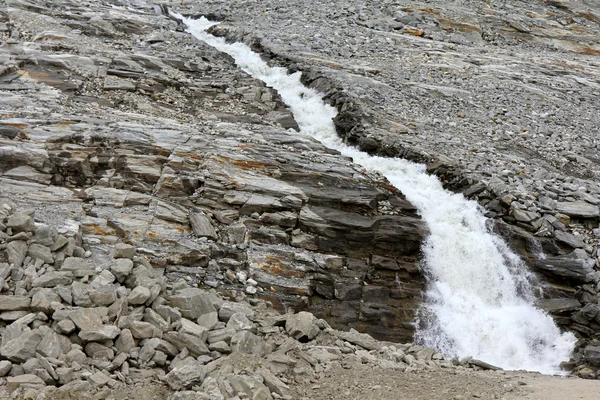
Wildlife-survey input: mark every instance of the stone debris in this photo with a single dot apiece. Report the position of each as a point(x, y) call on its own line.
point(235, 347)
point(156, 210)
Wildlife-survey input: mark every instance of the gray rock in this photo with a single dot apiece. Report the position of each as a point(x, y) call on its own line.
point(14, 303)
point(40, 252)
point(192, 302)
point(576, 267)
point(123, 250)
point(81, 294)
point(42, 300)
point(86, 318)
point(104, 332)
point(99, 379)
point(568, 239)
point(121, 268)
point(193, 329)
point(144, 330)
point(21, 348)
point(5, 367)
point(302, 326)
point(50, 345)
point(208, 320)
point(66, 326)
point(27, 380)
point(16, 252)
point(186, 375)
point(76, 265)
point(240, 322)
point(220, 335)
point(20, 222)
point(99, 352)
point(53, 279)
point(558, 305)
point(229, 308)
point(125, 342)
point(579, 209)
point(249, 343)
point(139, 295)
point(180, 340)
point(202, 226)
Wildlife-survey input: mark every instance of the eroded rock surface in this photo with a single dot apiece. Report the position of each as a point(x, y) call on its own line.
point(129, 130)
point(499, 99)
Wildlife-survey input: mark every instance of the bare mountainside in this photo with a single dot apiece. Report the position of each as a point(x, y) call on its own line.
point(166, 233)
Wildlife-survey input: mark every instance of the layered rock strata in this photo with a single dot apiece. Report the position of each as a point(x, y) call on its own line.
point(499, 102)
point(118, 123)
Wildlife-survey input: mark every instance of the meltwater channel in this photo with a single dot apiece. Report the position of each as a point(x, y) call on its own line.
point(478, 301)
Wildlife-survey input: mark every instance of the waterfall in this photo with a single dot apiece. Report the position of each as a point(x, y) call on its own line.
point(479, 299)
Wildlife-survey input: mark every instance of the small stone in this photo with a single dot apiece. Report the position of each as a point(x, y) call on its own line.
point(302, 326)
point(5, 367)
point(105, 332)
point(139, 295)
point(240, 322)
point(99, 379)
point(186, 375)
point(20, 223)
point(123, 250)
point(121, 268)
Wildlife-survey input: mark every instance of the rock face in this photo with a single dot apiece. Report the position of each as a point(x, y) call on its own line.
point(189, 159)
point(520, 147)
point(158, 328)
point(123, 136)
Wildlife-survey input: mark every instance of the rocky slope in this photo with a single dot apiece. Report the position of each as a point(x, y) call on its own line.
point(498, 99)
point(138, 164)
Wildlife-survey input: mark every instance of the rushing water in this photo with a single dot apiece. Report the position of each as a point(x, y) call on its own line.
point(479, 300)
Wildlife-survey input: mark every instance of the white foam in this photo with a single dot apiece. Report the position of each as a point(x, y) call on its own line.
point(479, 299)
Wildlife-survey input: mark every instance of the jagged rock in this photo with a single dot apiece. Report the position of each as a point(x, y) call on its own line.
point(558, 305)
point(194, 344)
point(21, 348)
point(202, 226)
point(186, 375)
point(37, 251)
point(104, 332)
point(592, 355)
point(98, 379)
point(208, 320)
point(125, 342)
point(144, 330)
point(192, 302)
point(578, 209)
point(249, 343)
point(240, 322)
point(229, 308)
point(568, 239)
point(123, 250)
point(27, 380)
point(16, 251)
point(302, 326)
point(139, 295)
point(42, 300)
point(20, 222)
point(86, 318)
point(190, 328)
point(576, 266)
point(221, 335)
point(53, 279)
point(14, 303)
point(99, 352)
point(121, 268)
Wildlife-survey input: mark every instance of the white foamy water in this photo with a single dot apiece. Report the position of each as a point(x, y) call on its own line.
point(479, 299)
